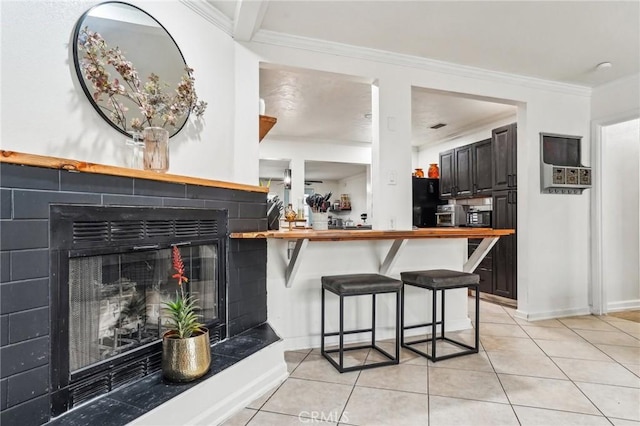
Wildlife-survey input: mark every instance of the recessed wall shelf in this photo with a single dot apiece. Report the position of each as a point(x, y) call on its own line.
point(560, 168)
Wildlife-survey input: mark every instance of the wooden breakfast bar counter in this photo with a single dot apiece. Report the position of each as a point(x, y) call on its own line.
point(303, 237)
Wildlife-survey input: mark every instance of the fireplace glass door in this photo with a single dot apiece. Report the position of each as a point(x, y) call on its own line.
point(116, 301)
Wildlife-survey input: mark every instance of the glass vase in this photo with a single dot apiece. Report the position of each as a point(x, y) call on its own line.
point(156, 149)
point(135, 151)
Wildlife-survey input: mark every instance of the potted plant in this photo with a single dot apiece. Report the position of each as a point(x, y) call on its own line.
point(186, 354)
point(157, 108)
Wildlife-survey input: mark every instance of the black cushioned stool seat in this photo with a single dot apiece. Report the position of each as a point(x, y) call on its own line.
point(360, 285)
point(439, 280)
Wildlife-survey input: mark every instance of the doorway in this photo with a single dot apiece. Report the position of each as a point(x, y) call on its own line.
point(620, 218)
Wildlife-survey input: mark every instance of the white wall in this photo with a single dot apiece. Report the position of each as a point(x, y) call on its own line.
point(621, 234)
point(553, 231)
point(356, 187)
point(45, 111)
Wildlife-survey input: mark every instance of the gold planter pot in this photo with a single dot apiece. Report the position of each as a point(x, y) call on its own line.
point(184, 360)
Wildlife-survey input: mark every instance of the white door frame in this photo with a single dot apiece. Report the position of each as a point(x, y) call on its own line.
point(597, 290)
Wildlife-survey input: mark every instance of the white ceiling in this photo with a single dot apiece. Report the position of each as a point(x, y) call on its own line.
point(561, 41)
point(553, 40)
point(314, 105)
point(460, 114)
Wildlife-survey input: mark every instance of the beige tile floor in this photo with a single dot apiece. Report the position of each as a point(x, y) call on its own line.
point(570, 371)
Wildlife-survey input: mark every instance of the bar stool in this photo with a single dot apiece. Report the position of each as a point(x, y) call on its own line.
point(439, 280)
point(360, 285)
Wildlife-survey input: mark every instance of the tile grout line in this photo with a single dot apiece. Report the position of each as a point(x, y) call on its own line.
point(500, 381)
point(353, 388)
point(557, 366)
point(528, 336)
point(563, 372)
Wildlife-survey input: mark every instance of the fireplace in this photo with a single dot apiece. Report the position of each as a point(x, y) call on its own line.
point(111, 271)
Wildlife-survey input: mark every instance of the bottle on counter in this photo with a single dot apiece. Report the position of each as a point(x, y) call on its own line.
point(290, 215)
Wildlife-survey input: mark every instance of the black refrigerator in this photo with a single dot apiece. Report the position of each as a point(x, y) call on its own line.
point(426, 198)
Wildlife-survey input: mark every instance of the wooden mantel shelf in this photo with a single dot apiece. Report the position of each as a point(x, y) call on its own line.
point(81, 166)
point(302, 237)
point(266, 123)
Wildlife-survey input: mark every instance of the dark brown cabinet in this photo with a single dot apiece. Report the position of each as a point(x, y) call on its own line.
point(482, 184)
point(447, 173)
point(504, 153)
point(505, 250)
point(463, 171)
point(460, 173)
point(485, 268)
point(482, 169)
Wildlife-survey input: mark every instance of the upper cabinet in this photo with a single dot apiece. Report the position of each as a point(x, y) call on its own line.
point(447, 171)
point(455, 172)
point(466, 171)
point(503, 141)
point(482, 183)
point(478, 169)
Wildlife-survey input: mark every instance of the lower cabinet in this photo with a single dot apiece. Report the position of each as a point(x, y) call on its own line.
point(485, 268)
point(505, 251)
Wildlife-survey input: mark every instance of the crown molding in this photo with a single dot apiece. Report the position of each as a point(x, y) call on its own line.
point(365, 53)
point(210, 14)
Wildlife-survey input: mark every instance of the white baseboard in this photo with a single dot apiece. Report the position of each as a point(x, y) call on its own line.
point(219, 397)
point(561, 313)
point(382, 333)
point(623, 306)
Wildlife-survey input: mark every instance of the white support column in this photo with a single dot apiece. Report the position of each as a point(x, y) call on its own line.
point(391, 154)
point(297, 181)
point(246, 152)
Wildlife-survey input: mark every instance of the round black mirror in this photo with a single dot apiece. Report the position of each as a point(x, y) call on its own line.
point(121, 55)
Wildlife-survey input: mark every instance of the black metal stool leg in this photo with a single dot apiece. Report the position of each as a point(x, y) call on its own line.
point(373, 319)
point(322, 324)
point(398, 329)
point(401, 311)
point(341, 333)
point(477, 347)
point(434, 294)
point(442, 315)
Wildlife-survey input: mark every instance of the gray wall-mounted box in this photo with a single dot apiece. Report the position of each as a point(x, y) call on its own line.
point(560, 168)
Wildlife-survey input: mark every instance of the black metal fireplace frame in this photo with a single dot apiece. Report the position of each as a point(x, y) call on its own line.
point(78, 231)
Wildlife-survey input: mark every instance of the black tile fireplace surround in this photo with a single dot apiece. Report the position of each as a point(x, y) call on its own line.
point(26, 193)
